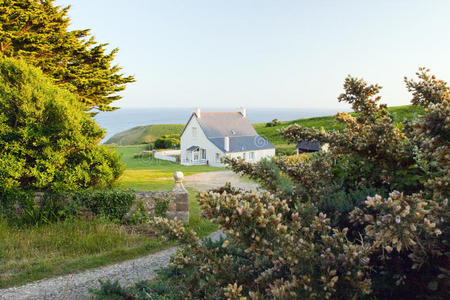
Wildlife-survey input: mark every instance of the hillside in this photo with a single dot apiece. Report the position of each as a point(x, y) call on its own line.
point(146, 134)
point(399, 114)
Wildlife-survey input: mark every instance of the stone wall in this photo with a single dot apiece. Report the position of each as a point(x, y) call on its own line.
point(176, 200)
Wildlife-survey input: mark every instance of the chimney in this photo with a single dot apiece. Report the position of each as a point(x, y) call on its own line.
point(197, 112)
point(226, 143)
point(243, 112)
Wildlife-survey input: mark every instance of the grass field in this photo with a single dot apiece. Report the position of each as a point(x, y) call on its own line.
point(143, 174)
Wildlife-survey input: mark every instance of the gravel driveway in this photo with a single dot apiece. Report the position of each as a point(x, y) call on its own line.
point(75, 286)
point(209, 180)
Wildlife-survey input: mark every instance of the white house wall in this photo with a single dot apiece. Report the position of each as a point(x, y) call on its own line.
point(259, 154)
point(188, 140)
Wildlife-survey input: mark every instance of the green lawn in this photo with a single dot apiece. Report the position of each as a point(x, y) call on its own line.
point(146, 174)
point(126, 153)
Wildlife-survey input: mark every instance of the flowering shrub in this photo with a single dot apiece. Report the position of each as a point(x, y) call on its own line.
point(333, 225)
point(408, 239)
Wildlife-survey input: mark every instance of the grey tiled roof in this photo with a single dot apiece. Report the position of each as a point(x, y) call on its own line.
point(243, 143)
point(192, 148)
point(222, 124)
point(308, 146)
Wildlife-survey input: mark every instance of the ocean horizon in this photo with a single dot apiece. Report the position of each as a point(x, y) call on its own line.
point(126, 118)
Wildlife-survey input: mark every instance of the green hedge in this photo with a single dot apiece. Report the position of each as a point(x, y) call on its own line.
point(112, 204)
point(21, 208)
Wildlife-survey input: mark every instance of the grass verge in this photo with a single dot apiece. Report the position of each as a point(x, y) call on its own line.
point(33, 253)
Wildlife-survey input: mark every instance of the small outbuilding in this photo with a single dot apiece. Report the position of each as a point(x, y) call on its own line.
point(307, 146)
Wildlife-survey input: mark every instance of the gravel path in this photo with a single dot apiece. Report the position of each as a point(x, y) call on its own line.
point(208, 180)
point(75, 286)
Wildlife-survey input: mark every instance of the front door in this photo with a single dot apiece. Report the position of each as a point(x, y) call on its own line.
point(196, 155)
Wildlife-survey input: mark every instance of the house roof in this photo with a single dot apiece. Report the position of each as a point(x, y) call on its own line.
point(193, 148)
point(243, 143)
point(308, 146)
point(232, 124)
point(222, 124)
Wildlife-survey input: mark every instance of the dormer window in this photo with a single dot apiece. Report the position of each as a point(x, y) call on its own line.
point(233, 132)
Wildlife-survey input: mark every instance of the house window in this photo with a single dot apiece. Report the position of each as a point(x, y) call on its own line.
point(203, 153)
point(244, 155)
point(196, 156)
point(252, 155)
point(194, 131)
point(217, 157)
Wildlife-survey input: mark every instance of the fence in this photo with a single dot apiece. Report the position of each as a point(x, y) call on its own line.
point(169, 155)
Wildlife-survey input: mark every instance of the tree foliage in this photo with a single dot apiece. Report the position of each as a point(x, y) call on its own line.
point(46, 139)
point(335, 225)
point(37, 30)
point(273, 123)
point(167, 141)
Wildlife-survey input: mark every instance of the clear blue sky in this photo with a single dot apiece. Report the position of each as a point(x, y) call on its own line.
point(261, 53)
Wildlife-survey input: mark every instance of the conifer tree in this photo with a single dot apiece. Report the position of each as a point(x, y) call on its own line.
point(37, 30)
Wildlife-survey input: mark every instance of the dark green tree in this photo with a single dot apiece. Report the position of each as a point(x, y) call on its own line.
point(47, 141)
point(167, 141)
point(37, 30)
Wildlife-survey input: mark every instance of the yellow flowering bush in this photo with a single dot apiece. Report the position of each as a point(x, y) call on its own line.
point(369, 219)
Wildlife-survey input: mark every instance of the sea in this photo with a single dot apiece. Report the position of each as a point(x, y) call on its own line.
point(125, 118)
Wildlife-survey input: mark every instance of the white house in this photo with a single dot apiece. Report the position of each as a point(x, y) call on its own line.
point(208, 136)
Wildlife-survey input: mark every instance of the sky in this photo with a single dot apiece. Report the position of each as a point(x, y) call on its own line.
point(261, 53)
